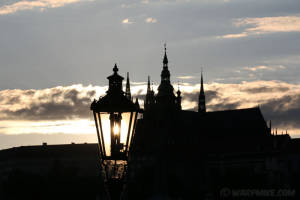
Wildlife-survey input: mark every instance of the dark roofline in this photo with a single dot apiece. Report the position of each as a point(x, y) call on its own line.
point(50, 146)
point(235, 110)
point(220, 111)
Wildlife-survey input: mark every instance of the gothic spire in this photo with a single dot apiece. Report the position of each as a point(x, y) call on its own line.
point(137, 102)
point(201, 103)
point(115, 69)
point(178, 98)
point(149, 100)
point(165, 74)
point(202, 88)
point(148, 86)
point(165, 61)
point(127, 92)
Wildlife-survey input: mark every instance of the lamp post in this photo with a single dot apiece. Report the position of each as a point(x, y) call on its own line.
point(115, 118)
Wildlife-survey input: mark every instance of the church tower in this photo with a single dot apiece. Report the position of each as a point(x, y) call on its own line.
point(165, 95)
point(201, 103)
point(127, 91)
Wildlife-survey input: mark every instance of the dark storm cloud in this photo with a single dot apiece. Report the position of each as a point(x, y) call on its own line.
point(48, 104)
point(223, 103)
point(52, 111)
point(265, 89)
point(193, 97)
point(284, 111)
point(279, 102)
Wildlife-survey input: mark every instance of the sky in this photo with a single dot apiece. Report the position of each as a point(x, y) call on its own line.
point(55, 56)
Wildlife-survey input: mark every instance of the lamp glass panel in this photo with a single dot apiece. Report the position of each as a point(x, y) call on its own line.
point(123, 130)
point(106, 131)
point(124, 127)
point(131, 129)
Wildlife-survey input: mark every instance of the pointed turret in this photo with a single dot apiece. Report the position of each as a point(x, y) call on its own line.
point(137, 104)
point(148, 85)
point(201, 103)
point(178, 98)
point(127, 91)
point(165, 74)
point(149, 100)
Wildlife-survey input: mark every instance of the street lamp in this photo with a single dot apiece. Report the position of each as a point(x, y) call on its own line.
point(115, 118)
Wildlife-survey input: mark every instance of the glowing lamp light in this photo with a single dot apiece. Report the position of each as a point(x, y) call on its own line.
point(116, 130)
point(115, 118)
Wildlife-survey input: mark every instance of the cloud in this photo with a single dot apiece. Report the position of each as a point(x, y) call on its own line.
point(279, 101)
point(29, 5)
point(264, 67)
point(48, 104)
point(186, 77)
point(285, 111)
point(151, 20)
point(58, 103)
point(265, 89)
point(163, 1)
point(126, 21)
point(259, 72)
point(239, 35)
point(145, 1)
point(129, 5)
point(265, 25)
point(192, 97)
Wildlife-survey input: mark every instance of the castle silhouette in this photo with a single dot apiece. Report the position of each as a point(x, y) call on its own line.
point(175, 154)
point(186, 154)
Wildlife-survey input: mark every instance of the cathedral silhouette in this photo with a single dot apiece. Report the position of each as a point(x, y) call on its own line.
point(186, 154)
